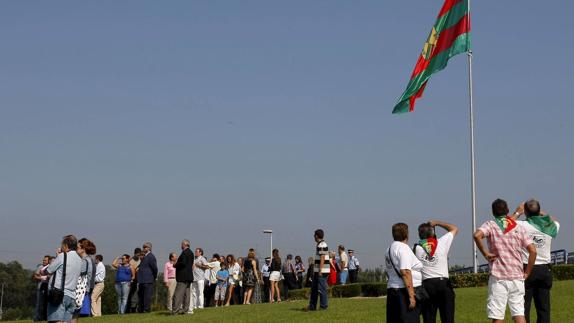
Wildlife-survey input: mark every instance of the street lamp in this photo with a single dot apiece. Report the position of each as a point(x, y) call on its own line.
point(270, 232)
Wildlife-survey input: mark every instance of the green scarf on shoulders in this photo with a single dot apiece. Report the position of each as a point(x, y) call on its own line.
point(544, 224)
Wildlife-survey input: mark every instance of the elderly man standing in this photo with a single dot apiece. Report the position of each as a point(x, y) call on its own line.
point(146, 274)
point(540, 228)
point(506, 239)
point(184, 278)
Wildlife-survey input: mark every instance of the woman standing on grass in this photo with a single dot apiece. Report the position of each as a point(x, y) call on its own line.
point(250, 277)
point(332, 279)
point(300, 269)
point(275, 276)
point(123, 279)
point(310, 269)
point(234, 270)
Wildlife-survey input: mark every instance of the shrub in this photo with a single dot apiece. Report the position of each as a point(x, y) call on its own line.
point(469, 280)
point(352, 290)
point(299, 294)
point(373, 289)
point(563, 272)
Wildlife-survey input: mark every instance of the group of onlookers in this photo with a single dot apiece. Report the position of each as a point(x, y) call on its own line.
point(192, 281)
point(71, 284)
point(518, 254)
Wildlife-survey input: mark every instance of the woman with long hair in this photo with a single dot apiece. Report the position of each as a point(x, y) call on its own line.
point(250, 277)
point(332, 280)
point(299, 269)
point(275, 276)
point(234, 270)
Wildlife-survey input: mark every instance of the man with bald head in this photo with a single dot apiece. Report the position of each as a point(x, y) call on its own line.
point(184, 278)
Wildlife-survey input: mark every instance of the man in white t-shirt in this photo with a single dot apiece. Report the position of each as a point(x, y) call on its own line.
point(404, 272)
point(433, 253)
point(540, 228)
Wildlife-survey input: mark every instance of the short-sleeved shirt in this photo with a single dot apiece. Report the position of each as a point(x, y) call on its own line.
point(214, 267)
point(222, 274)
point(353, 263)
point(199, 273)
point(73, 269)
point(435, 266)
point(403, 258)
point(508, 249)
point(322, 250)
point(344, 258)
point(234, 271)
point(541, 240)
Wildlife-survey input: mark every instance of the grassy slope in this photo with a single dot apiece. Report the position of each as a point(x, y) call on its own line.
point(471, 304)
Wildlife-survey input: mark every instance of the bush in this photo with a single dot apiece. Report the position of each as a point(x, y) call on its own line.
point(373, 289)
point(563, 272)
point(469, 280)
point(300, 294)
point(352, 290)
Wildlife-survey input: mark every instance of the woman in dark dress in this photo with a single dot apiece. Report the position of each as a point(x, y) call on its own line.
point(250, 277)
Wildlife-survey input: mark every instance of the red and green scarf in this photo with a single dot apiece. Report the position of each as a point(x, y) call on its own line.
point(544, 224)
point(429, 245)
point(505, 223)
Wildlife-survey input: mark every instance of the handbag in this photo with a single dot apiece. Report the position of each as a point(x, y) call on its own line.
point(56, 296)
point(421, 293)
point(82, 287)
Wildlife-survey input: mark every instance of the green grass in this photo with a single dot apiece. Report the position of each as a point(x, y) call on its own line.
point(470, 307)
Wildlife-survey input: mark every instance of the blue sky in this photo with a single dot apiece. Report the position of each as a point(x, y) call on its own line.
point(212, 120)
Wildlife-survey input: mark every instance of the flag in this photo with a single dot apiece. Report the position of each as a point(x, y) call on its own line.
point(449, 36)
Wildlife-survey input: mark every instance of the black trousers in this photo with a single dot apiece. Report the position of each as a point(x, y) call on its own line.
point(145, 294)
point(132, 303)
point(209, 294)
point(353, 276)
point(538, 286)
point(441, 298)
point(398, 307)
point(266, 287)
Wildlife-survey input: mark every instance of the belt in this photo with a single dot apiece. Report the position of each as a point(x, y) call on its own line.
point(436, 278)
point(171, 278)
point(98, 283)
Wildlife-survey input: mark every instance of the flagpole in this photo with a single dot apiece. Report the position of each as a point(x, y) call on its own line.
point(472, 164)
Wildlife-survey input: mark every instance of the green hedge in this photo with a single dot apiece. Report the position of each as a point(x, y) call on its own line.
point(560, 272)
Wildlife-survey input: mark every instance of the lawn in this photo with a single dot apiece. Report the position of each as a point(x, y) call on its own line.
point(470, 307)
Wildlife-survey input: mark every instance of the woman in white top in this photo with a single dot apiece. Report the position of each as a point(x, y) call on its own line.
point(404, 272)
point(234, 270)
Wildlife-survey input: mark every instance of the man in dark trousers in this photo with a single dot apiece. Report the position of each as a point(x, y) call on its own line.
point(147, 274)
point(541, 228)
point(433, 254)
point(184, 278)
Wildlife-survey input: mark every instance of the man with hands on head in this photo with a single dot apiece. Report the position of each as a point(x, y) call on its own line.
point(506, 239)
point(433, 253)
point(540, 228)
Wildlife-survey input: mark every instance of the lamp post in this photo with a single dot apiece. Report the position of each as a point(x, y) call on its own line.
point(270, 232)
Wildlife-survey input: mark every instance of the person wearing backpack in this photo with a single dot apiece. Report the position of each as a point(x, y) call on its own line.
point(65, 271)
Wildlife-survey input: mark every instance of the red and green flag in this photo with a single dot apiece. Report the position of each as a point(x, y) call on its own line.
point(449, 36)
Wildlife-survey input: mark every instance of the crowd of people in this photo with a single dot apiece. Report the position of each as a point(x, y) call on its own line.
point(518, 254)
point(192, 280)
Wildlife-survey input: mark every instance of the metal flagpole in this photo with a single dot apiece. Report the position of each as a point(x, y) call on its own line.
point(472, 171)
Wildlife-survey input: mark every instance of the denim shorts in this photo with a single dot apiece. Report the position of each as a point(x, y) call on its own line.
point(62, 312)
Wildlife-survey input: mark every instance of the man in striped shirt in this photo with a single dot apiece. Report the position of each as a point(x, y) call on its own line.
point(321, 273)
point(506, 240)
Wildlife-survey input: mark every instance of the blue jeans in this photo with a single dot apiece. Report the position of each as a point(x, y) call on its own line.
point(123, 290)
point(319, 289)
point(343, 277)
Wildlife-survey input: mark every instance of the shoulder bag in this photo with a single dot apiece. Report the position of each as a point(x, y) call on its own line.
point(421, 293)
point(56, 296)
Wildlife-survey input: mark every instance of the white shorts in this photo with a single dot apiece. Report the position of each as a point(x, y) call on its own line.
point(275, 276)
point(502, 291)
